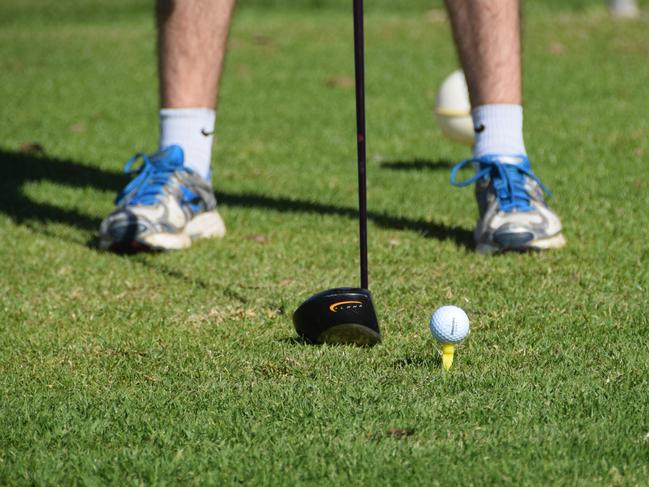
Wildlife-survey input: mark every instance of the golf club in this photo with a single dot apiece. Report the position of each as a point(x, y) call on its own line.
point(346, 315)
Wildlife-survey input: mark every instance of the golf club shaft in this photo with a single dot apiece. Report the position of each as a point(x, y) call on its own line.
point(359, 65)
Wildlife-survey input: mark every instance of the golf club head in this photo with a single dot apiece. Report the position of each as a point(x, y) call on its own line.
point(338, 316)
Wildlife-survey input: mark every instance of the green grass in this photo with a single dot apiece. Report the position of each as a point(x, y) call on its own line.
point(182, 368)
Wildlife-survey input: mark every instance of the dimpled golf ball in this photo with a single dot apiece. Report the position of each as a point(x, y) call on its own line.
point(449, 324)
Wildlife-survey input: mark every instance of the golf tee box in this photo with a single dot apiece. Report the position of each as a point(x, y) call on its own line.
point(338, 316)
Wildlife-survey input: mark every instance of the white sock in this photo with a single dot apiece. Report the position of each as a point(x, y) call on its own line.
point(193, 130)
point(498, 130)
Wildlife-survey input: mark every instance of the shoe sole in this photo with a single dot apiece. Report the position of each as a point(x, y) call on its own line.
point(206, 225)
point(555, 242)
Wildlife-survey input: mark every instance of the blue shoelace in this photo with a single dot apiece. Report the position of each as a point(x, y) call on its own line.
point(152, 175)
point(508, 181)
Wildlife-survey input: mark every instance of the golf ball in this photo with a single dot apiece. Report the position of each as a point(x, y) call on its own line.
point(449, 324)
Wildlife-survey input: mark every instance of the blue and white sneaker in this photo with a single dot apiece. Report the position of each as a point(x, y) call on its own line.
point(165, 207)
point(513, 214)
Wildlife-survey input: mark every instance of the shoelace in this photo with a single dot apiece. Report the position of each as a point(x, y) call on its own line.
point(151, 177)
point(508, 181)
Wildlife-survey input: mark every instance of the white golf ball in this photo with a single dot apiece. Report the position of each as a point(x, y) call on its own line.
point(453, 109)
point(449, 324)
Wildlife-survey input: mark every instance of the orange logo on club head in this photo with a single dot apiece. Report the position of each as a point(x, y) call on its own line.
point(340, 305)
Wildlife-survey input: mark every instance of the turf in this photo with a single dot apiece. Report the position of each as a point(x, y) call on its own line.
point(184, 368)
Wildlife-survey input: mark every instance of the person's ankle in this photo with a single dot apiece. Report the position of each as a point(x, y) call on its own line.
point(498, 130)
point(193, 130)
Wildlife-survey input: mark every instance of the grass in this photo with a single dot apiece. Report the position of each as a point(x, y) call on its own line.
point(182, 367)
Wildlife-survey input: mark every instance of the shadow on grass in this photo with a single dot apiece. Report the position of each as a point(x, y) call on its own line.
point(418, 165)
point(432, 360)
point(32, 165)
point(301, 341)
point(459, 235)
point(191, 280)
point(296, 340)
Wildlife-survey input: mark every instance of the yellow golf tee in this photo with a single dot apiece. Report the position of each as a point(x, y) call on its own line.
point(448, 350)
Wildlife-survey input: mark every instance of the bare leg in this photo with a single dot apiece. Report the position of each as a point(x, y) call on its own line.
point(513, 213)
point(192, 37)
point(487, 36)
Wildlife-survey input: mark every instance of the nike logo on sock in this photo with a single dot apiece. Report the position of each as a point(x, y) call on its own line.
point(206, 133)
point(480, 128)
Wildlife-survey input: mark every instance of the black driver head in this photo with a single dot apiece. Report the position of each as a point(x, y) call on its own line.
point(338, 316)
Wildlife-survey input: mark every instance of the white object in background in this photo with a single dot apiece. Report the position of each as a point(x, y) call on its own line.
point(453, 109)
point(623, 8)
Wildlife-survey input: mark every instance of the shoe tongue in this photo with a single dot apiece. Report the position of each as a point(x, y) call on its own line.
point(510, 184)
point(171, 156)
point(520, 161)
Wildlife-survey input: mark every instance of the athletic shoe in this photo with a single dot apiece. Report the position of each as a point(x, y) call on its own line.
point(513, 214)
point(165, 207)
